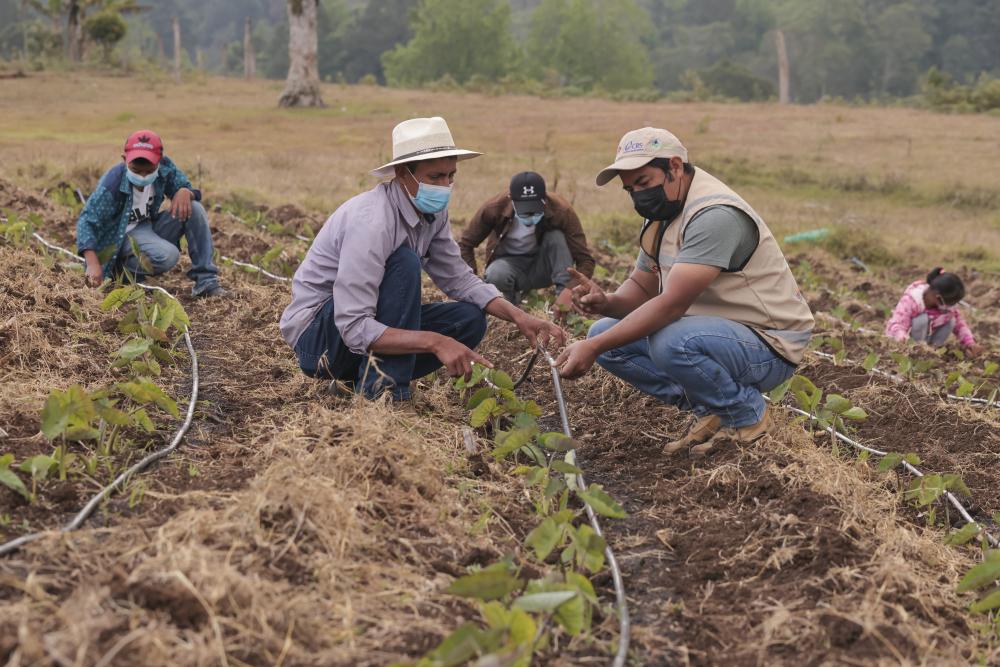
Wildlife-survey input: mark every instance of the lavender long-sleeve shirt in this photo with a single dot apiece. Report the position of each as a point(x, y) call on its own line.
point(346, 262)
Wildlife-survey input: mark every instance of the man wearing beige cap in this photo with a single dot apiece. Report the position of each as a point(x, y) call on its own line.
point(356, 314)
point(711, 316)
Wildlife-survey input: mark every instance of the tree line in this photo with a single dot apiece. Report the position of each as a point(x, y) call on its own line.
point(945, 50)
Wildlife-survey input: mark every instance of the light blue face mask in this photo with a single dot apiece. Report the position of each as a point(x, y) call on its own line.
point(430, 198)
point(141, 181)
point(529, 220)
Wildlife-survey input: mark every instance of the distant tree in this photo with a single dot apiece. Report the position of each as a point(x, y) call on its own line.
point(302, 84)
point(105, 29)
point(589, 42)
point(378, 27)
point(458, 38)
point(903, 43)
point(729, 79)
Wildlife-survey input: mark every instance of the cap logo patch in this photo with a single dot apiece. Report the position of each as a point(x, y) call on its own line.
point(528, 191)
point(655, 144)
point(142, 144)
point(630, 147)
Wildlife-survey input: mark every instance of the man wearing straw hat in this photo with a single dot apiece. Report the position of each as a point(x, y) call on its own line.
point(356, 313)
point(711, 316)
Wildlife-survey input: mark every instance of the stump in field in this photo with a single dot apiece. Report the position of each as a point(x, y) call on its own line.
point(302, 84)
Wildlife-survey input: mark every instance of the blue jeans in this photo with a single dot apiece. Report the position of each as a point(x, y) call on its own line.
point(708, 365)
point(159, 243)
point(322, 353)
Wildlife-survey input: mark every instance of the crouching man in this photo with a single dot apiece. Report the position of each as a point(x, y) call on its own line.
point(711, 316)
point(124, 211)
point(357, 295)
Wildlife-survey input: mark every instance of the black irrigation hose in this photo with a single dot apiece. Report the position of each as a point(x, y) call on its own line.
point(134, 469)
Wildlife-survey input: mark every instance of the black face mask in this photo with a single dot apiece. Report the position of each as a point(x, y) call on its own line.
point(652, 204)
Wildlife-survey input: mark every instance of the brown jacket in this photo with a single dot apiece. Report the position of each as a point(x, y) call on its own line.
point(494, 219)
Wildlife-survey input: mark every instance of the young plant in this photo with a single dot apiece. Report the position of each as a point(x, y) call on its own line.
point(10, 479)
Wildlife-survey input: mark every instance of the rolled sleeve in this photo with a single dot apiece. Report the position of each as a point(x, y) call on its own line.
point(355, 291)
point(452, 275)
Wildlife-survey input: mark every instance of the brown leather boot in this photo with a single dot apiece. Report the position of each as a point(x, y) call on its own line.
point(703, 429)
point(739, 436)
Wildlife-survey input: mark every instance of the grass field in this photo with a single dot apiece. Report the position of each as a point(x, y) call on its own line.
point(922, 184)
point(295, 527)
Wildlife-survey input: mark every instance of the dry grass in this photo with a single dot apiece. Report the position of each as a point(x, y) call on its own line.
point(892, 171)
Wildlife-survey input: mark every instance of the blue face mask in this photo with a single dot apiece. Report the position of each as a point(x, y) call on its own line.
point(141, 181)
point(529, 220)
point(430, 198)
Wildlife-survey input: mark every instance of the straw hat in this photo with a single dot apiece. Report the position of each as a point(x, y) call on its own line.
point(421, 139)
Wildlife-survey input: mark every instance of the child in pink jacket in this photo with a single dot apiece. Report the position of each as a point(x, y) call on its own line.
point(928, 313)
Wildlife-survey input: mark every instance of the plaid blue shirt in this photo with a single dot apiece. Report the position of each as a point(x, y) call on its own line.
point(103, 220)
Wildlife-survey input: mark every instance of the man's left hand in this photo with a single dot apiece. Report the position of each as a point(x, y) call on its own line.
point(180, 205)
point(539, 332)
point(576, 359)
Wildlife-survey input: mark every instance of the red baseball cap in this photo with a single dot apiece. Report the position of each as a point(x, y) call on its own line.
point(144, 144)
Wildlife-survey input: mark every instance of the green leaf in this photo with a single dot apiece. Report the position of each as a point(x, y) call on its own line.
point(991, 368)
point(869, 363)
point(889, 461)
point(55, 414)
point(145, 392)
point(590, 547)
point(601, 502)
point(513, 441)
point(544, 538)
point(803, 384)
point(39, 466)
point(134, 348)
point(956, 484)
point(112, 415)
point(963, 535)
point(155, 333)
point(857, 414)
point(482, 412)
point(983, 574)
point(464, 643)
point(477, 398)
point(10, 479)
point(116, 298)
point(837, 403)
point(572, 615)
point(547, 601)
point(778, 393)
point(485, 585)
point(141, 419)
point(501, 380)
point(522, 627)
point(565, 468)
point(965, 389)
point(988, 602)
point(556, 441)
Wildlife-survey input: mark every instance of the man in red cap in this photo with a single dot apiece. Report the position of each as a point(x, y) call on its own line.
point(123, 215)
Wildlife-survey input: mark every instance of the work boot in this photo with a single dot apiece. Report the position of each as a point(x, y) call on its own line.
point(702, 429)
point(740, 436)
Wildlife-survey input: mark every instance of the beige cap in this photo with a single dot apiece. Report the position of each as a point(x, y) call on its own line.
point(421, 139)
point(638, 147)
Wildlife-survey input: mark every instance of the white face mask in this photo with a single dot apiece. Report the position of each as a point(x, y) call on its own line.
point(529, 220)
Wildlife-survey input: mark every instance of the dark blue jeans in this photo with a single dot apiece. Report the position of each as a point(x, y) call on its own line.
point(323, 354)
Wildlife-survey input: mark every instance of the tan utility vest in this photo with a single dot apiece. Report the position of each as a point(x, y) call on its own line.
point(763, 294)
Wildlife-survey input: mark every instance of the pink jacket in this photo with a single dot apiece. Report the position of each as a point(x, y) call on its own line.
point(912, 304)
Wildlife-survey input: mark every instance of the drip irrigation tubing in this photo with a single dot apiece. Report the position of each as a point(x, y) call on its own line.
point(577, 480)
point(899, 379)
point(136, 468)
point(256, 269)
point(956, 503)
